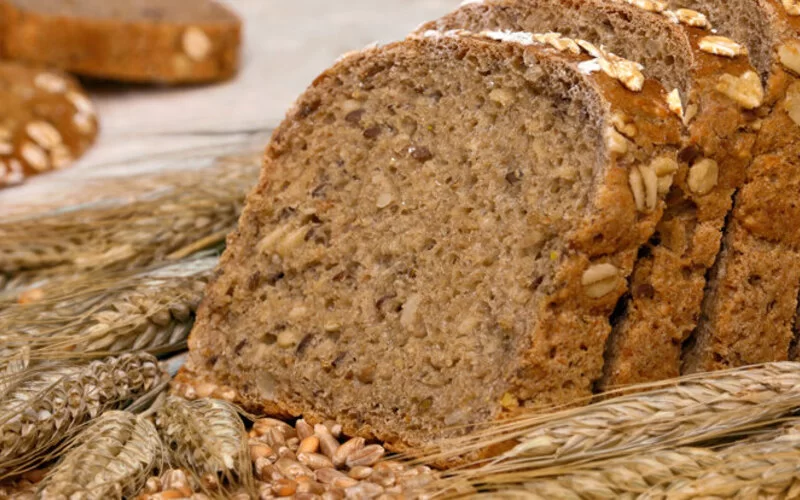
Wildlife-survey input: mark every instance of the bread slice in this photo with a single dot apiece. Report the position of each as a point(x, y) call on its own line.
point(752, 294)
point(46, 121)
point(715, 91)
point(176, 41)
point(442, 227)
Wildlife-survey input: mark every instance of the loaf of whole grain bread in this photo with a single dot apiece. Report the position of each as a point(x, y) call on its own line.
point(442, 227)
point(715, 92)
point(751, 298)
point(175, 41)
point(46, 121)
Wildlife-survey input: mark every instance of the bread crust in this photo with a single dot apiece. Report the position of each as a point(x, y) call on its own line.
point(147, 48)
point(667, 287)
point(612, 234)
point(46, 121)
point(752, 297)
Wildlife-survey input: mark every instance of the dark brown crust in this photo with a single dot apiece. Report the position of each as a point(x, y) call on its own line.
point(34, 99)
point(613, 235)
point(119, 49)
point(667, 286)
point(751, 302)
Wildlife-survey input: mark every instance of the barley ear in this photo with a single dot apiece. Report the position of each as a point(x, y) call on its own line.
point(51, 401)
point(207, 438)
point(111, 458)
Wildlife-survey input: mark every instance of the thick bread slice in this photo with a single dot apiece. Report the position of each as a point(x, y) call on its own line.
point(46, 121)
point(175, 41)
point(441, 229)
point(715, 95)
point(752, 294)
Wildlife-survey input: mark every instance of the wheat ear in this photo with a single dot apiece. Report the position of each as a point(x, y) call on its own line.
point(207, 438)
point(111, 458)
point(168, 224)
point(152, 310)
point(767, 466)
point(49, 402)
point(755, 468)
point(672, 413)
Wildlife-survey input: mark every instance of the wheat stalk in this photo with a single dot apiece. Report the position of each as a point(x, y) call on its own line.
point(765, 467)
point(168, 224)
point(50, 401)
point(673, 413)
point(207, 438)
point(112, 313)
point(112, 458)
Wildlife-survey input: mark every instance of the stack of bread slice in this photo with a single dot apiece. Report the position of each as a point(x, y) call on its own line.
point(523, 203)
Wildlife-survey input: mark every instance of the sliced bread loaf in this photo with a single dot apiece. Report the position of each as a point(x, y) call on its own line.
point(175, 41)
point(715, 92)
point(441, 229)
point(752, 294)
point(46, 121)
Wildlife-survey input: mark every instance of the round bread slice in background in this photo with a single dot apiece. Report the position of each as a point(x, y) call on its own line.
point(46, 121)
point(148, 41)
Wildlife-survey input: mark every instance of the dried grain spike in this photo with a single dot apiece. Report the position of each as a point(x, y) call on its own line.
point(111, 313)
point(181, 219)
point(630, 475)
point(50, 402)
point(112, 458)
point(697, 408)
point(206, 437)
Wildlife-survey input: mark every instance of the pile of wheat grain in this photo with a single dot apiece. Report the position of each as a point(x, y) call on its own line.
point(307, 462)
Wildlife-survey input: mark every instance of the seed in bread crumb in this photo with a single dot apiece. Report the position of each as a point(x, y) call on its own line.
point(792, 7)
point(81, 103)
point(509, 401)
point(50, 83)
point(196, 43)
point(409, 314)
point(703, 176)
point(616, 142)
point(746, 89)
point(665, 169)
point(504, 97)
point(83, 123)
point(674, 103)
point(35, 156)
point(624, 125)
point(289, 338)
point(789, 55)
point(384, 200)
point(692, 18)
point(637, 188)
point(720, 46)
point(44, 134)
point(792, 102)
point(421, 154)
point(648, 5)
point(600, 280)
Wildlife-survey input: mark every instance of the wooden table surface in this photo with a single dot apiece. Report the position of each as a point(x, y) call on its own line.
point(286, 44)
